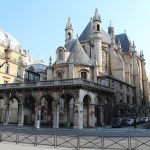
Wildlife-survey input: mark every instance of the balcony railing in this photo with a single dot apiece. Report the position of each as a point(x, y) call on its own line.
point(50, 83)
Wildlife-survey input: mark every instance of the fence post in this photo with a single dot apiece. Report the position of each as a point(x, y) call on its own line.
point(78, 143)
point(55, 141)
point(102, 142)
point(1, 136)
point(129, 143)
point(35, 140)
point(17, 137)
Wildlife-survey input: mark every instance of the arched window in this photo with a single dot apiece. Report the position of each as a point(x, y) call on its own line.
point(60, 75)
point(60, 54)
point(83, 75)
point(98, 27)
point(69, 35)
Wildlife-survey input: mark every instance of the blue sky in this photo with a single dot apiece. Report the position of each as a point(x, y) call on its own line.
point(39, 25)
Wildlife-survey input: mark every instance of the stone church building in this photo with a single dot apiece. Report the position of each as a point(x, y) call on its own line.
point(96, 77)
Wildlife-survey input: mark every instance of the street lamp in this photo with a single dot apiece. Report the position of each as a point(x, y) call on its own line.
point(7, 53)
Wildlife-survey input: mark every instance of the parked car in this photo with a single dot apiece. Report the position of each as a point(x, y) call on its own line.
point(130, 121)
point(137, 120)
point(124, 122)
point(141, 120)
point(145, 119)
point(116, 123)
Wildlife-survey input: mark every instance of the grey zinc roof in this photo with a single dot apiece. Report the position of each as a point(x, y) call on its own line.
point(105, 37)
point(78, 55)
point(124, 40)
point(69, 45)
point(85, 35)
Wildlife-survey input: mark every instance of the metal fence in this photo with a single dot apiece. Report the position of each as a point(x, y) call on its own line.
point(77, 142)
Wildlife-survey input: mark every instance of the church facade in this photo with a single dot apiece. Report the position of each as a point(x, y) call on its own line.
point(96, 77)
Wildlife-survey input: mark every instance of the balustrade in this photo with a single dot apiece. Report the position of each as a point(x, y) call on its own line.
point(69, 82)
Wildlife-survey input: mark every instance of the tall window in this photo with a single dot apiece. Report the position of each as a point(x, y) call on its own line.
point(120, 86)
point(133, 100)
point(121, 98)
point(83, 75)
point(98, 28)
point(128, 99)
point(5, 82)
point(7, 68)
point(19, 72)
point(69, 35)
point(60, 54)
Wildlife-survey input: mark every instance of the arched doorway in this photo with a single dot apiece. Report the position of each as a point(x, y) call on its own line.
point(66, 111)
point(29, 110)
point(2, 110)
point(13, 111)
point(86, 107)
point(46, 111)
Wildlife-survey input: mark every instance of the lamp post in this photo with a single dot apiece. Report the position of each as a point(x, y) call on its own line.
point(7, 53)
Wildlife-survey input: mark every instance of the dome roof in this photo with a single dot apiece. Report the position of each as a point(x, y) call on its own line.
point(6, 37)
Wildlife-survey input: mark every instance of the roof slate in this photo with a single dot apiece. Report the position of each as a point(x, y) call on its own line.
point(78, 55)
point(85, 35)
point(124, 40)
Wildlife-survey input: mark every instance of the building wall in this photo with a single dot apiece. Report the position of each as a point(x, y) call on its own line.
point(16, 64)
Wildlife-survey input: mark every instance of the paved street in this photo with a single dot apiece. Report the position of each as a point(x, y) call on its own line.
point(107, 131)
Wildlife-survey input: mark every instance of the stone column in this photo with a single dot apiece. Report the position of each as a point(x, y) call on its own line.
point(92, 115)
point(37, 116)
point(78, 113)
point(56, 115)
point(21, 115)
point(6, 115)
point(102, 115)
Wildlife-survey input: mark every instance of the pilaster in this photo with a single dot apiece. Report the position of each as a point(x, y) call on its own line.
point(6, 114)
point(21, 115)
point(37, 116)
point(56, 115)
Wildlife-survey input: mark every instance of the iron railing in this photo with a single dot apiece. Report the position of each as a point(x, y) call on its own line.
point(77, 142)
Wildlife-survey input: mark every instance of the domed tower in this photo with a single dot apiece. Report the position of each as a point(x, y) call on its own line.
point(68, 31)
point(97, 38)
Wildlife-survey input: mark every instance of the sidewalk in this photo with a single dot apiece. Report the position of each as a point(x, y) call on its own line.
point(13, 146)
